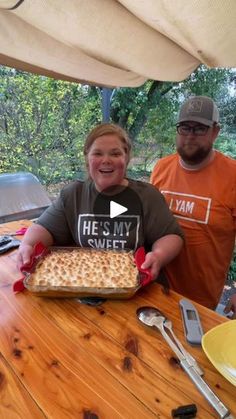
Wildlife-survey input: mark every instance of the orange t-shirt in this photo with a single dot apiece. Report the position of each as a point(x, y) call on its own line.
point(204, 202)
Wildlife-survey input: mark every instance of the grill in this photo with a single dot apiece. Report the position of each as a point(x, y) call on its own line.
point(21, 197)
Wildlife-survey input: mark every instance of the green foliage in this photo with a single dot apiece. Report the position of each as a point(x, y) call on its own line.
point(39, 130)
point(43, 122)
point(131, 106)
point(226, 143)
point(232, 270)
point(209, 82)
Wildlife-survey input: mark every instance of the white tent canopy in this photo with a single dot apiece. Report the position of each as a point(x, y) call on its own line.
point(117, 42)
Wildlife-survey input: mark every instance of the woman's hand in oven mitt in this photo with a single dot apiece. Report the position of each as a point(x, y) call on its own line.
point(35, 234)
point(153, 263)
point(24, 254)
point(163, 251)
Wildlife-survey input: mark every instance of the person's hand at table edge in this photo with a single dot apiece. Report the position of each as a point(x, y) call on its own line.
point(231, 306)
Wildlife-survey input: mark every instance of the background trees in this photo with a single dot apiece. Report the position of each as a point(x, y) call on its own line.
point(43, 122)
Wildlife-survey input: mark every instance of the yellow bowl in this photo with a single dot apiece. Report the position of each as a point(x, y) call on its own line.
point(219, 345)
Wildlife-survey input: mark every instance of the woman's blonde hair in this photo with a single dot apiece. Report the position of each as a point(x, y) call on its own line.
point(106, 129)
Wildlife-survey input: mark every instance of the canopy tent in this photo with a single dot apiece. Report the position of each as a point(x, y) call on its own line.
point(117, 42)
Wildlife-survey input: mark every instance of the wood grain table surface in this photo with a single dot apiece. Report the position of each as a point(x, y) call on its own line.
point(63, 359)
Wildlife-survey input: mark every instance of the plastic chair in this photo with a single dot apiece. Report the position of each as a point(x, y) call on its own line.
point(21, 197)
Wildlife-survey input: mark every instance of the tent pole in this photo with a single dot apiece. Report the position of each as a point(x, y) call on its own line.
point(106, 102)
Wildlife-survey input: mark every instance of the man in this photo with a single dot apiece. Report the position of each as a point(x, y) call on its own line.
point(199, 184)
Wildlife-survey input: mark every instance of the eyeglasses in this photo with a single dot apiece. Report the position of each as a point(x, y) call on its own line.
point(198, 130)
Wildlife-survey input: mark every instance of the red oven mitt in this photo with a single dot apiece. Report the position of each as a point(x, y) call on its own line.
point(145, 274)
point(20, 232)
point(39, 251)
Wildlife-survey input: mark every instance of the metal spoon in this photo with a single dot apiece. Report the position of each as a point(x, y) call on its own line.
point(148, 316)
point(191, 360)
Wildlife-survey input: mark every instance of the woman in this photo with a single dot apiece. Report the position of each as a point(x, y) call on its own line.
point(81, 215)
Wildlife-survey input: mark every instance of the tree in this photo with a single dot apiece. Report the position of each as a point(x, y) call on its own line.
point(44, 122)
point(130, 107)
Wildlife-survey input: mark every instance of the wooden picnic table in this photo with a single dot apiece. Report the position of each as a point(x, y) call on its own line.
point(63, 359)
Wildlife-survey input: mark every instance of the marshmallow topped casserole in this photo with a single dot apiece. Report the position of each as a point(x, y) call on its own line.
point(86, 268)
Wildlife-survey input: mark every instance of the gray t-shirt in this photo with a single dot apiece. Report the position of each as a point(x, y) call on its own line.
point(81, 216)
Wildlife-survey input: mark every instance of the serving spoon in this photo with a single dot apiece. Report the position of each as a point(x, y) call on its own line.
point(150, 317)
point(168, 325)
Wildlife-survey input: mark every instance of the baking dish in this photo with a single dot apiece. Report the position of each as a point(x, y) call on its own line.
point(65, 291)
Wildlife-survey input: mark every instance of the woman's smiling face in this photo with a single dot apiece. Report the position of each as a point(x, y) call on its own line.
point(107, 162)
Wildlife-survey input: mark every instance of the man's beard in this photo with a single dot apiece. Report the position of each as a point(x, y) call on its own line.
point(196, 157)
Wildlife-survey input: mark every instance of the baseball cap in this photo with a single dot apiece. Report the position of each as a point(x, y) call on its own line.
point(200, 109)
